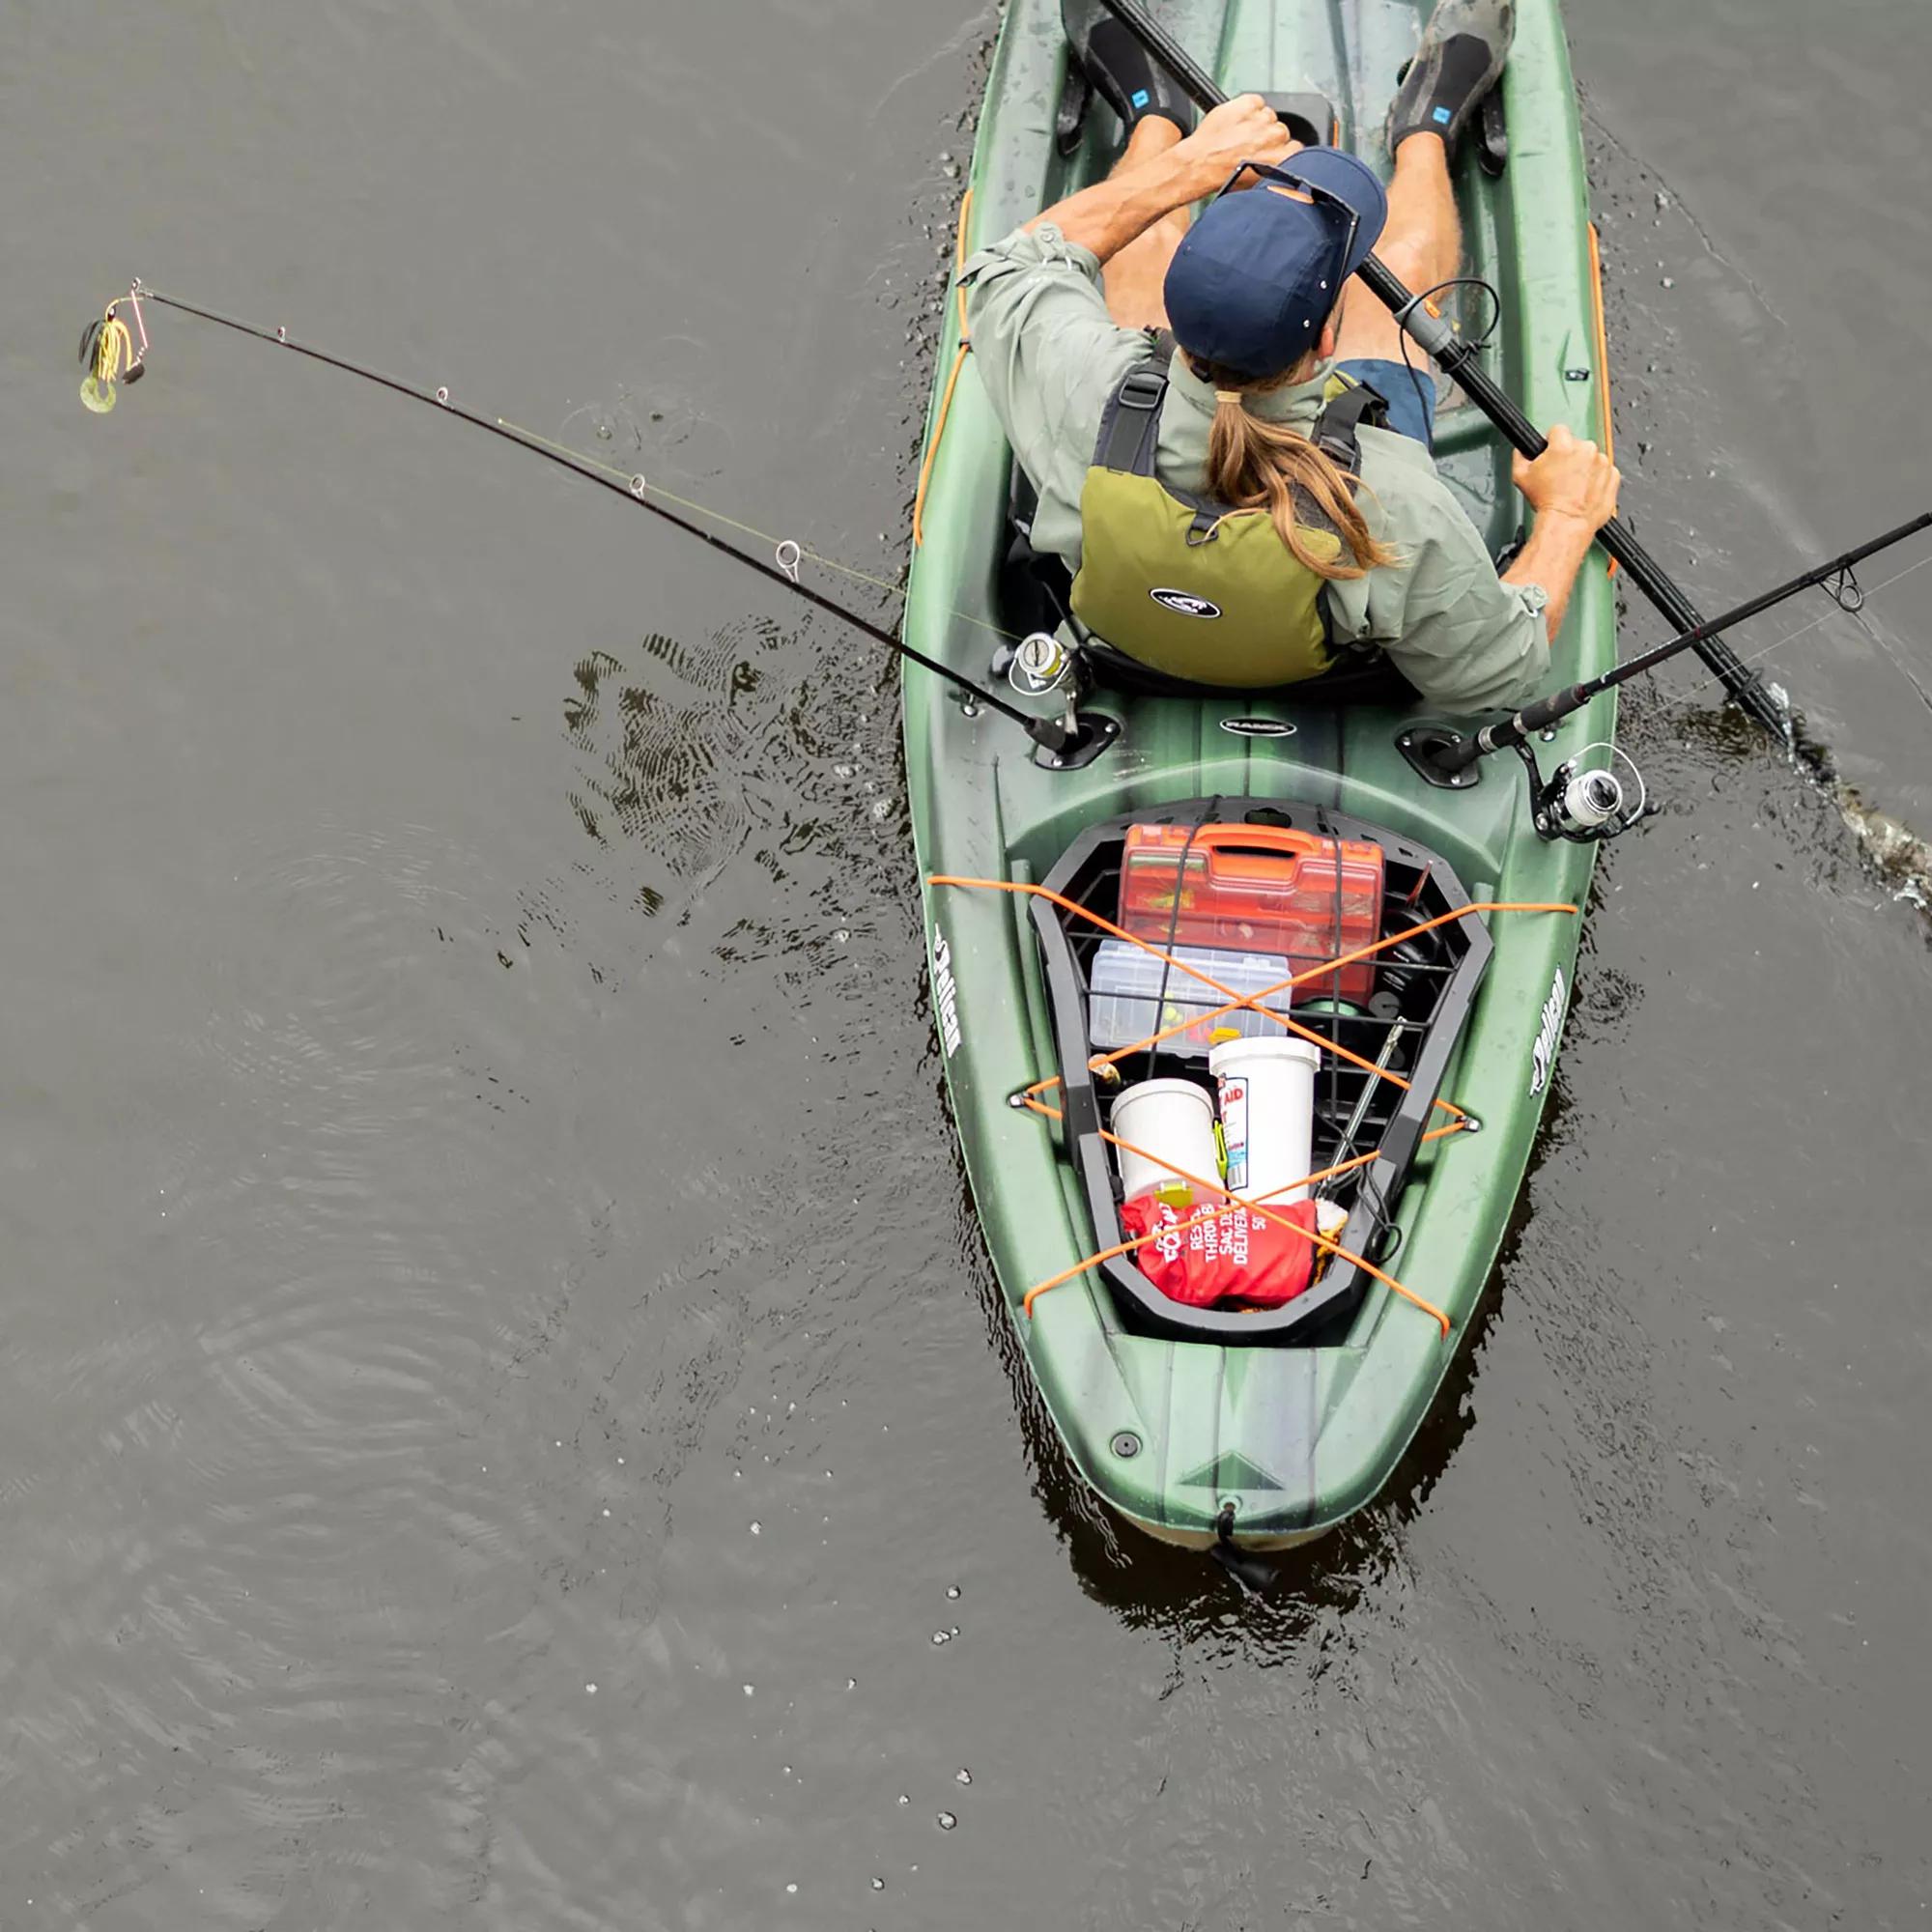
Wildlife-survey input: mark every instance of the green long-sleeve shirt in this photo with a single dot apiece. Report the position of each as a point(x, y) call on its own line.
point(1049, 356)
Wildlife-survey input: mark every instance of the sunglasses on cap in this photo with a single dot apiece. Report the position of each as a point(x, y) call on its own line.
point(1322, 197)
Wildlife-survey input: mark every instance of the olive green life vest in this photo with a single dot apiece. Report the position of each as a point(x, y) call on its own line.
point(1187, 585)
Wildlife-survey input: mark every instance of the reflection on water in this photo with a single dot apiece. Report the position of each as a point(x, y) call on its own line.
point(661, 752)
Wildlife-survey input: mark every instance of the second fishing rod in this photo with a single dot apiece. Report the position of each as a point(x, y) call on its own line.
point(1837, 576)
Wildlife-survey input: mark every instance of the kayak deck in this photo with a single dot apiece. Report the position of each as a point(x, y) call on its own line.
point(1171, 1431)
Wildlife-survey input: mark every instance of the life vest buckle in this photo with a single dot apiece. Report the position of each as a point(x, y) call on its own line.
point(1143, 388)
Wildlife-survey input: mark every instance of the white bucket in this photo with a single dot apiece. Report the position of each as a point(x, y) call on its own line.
point(1267, 1114)
point(1174, 1121)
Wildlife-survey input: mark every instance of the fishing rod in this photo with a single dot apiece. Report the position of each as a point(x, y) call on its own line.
point(1838, 574)
point(1426, 326)
point(110, 354)
point(1588, 804)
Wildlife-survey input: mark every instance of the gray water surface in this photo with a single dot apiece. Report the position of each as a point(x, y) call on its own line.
point(502, 1414)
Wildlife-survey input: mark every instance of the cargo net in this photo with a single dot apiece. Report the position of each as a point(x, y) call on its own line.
point(1166, 932)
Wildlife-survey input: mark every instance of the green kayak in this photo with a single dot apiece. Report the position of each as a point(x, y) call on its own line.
point(1257, 1426)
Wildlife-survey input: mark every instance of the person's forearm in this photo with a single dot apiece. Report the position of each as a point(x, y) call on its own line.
point(1106, 216)
point(1552, 558)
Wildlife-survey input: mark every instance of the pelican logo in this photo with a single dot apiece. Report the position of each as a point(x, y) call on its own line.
point(945, 994)
point(1184, 604)
point(1543, 1054)
point(1259, 728)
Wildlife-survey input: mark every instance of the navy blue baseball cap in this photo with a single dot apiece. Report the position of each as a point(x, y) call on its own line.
point(1260, 272)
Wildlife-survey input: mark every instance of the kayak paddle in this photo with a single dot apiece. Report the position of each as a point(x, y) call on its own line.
point(1432, 332)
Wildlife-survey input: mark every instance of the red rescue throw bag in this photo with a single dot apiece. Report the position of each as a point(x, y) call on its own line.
point(1234, 1255)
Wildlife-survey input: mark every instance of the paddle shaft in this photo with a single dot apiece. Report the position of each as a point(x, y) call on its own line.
point(1432, 332)
point(1559, 704)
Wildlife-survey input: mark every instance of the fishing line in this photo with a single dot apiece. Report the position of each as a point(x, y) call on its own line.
point(1617, 751)
point(1898, 662)
point(807, 555)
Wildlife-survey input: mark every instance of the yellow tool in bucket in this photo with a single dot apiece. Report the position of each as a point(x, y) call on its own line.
point(108, 355)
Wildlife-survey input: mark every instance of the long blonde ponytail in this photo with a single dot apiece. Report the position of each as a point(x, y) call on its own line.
point(1257, 465)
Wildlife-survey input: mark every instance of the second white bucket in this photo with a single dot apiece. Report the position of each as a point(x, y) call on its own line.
point(1267, 1114)
point(1174, 1121)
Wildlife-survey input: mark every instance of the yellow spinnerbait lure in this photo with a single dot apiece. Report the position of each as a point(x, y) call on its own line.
point(108, 355)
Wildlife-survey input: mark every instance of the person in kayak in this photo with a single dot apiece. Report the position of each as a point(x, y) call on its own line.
point(1248, 512)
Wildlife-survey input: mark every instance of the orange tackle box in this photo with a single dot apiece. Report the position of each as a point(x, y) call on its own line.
point(1258, 888)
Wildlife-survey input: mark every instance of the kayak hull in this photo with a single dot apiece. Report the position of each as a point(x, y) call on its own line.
point(1171, 1433)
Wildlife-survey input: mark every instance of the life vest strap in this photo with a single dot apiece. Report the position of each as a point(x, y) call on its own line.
point(1130, 423)
point(1334, 434)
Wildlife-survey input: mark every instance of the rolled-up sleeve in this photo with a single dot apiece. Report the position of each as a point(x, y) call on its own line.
point(1048, 355)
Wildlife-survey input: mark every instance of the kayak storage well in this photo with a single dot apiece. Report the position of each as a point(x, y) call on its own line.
point(1382, 1059)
